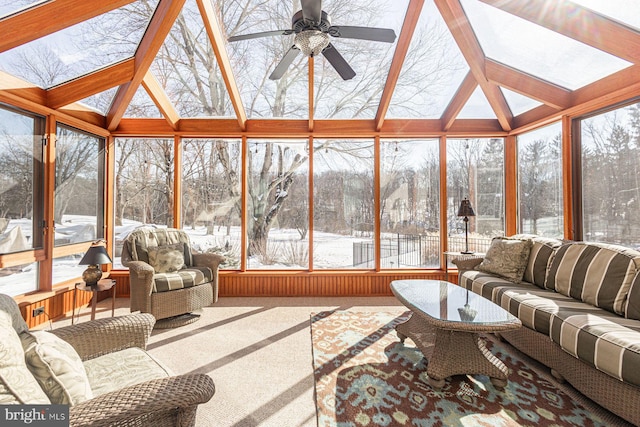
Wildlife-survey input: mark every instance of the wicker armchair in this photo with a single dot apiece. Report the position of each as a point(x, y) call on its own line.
point(160, 400)
point(173, 290)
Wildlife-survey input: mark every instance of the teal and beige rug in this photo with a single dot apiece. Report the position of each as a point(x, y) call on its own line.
point(364, 377)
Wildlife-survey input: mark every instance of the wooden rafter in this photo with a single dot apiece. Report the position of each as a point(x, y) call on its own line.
point(160, 98)
point(218, 43)
point(160, 25)
point(577, 22)
point(527, 85)
point(464, 92)
point(90, 84)
point(49, 17)
point(463, 34)
point(404, 41)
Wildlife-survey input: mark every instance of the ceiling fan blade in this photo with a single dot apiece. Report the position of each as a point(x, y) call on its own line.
point(338, 62)
point(282, 67)
point(312, 10)
point(363, 33)
point(258, 35)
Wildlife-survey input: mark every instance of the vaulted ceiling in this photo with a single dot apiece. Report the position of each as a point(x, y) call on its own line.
point(457, 66)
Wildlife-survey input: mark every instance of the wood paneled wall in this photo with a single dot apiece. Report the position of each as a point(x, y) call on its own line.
point(58, 304)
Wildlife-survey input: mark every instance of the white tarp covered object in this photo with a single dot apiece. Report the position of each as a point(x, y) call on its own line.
point(13, 241)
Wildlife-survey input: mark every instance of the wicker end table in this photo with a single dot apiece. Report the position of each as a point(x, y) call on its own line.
point(445, 324)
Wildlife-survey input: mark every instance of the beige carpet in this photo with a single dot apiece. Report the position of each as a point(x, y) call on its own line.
point(258, 352)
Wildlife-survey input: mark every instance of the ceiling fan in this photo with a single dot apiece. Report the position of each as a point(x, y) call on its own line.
point(312, 28)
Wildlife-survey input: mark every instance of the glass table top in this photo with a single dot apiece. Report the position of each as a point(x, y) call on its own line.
point(447, 302)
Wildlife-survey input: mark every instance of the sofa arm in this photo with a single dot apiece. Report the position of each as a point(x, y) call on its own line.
point(465, 264)
point(141, 404)
point(101, 336)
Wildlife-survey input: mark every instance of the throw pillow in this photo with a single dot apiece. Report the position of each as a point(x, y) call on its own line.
point(167, 259)
point(507, 258)
point(57, 367)
point(632, 309)
point(17, 384)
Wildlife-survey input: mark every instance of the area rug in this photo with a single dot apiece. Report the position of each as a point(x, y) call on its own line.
point(364, 376)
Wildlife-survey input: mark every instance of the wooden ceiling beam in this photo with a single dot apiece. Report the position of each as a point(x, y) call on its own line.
point(527, 85)
point(460, 27)
point(457, 103)
point(165, 15)
point(49, 17)
point(577, 22)
point(217, 40)
point(160, 98)
point(402, 47)
point(13, 85)
point(90, 84)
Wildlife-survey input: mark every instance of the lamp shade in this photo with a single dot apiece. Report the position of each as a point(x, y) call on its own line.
point(465, 208)
point(96, 255)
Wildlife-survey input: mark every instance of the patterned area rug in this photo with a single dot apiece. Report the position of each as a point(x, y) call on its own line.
point(364, 376)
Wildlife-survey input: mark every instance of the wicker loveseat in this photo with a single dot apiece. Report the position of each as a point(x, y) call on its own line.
point(579, 304)
point(99, 368)
point(166, 278)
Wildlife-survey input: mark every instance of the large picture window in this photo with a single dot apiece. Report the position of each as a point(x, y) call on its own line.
point(143, 186)
point(610, 147)
point(211, 199)
point(78, 197)
point(475, 170)
point(343, 209)
point(21, 196)
point(277, 204)
point(540, 182)
point(409, 204)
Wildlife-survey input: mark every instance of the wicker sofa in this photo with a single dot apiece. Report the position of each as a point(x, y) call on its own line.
point(99, 368)
point(579, 304)
point(185, 284)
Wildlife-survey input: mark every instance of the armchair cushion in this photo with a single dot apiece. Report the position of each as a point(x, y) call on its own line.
point(167, 259)
point(57, 367)
point(124, 368)
point(185, 278)
point(17, 384)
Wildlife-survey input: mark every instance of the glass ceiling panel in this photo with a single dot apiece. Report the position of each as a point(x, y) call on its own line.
point(359, 97)
point(625, 11)
point(188, 70)
point(82, 48)
point(432, 71)
point(9, 7)
point(477, 107)
point(142, 106)
point(518, 104)
point(253, 60)
point(101, 102)
point(536, 50)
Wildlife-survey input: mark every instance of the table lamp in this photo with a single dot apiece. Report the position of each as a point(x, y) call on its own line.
point(95, 256)
point(466, 211)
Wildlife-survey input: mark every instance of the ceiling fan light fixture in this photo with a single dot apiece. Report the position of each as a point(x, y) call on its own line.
point(311, 42)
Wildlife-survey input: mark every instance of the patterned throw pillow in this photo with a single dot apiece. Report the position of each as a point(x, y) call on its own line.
point(507, 257)
point(17, 384)
point(167, 259)
point(57, 367)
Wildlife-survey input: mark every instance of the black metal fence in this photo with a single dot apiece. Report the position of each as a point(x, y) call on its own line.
point(412, 251)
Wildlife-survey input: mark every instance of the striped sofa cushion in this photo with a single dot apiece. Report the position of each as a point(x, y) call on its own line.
point(632, 308)
point(597, 274)
point(185, 278)
point(143, 238)
point(540, 256)
point(533, 306)
point(601, 339)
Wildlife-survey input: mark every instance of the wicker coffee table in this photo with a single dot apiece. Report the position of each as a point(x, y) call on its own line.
point(445, 324)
